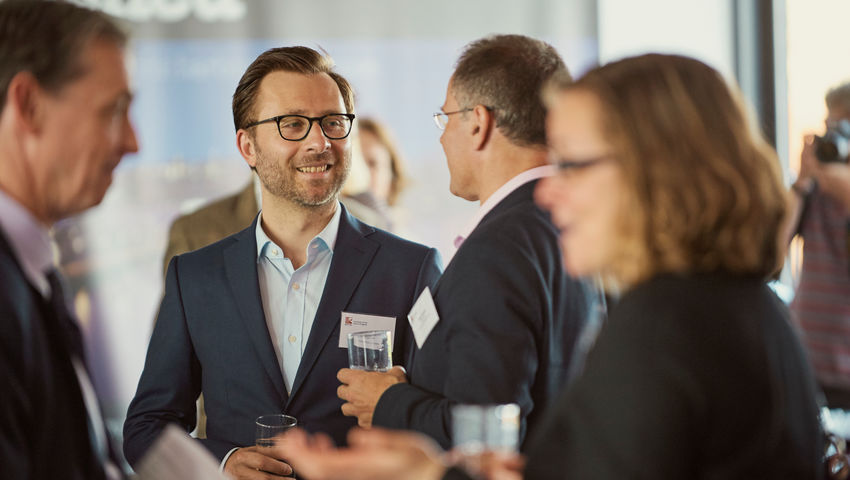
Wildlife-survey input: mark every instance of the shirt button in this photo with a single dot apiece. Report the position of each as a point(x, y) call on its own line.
point(296, 286)
point(275, 252)
point(315, 245)
point(292, 339)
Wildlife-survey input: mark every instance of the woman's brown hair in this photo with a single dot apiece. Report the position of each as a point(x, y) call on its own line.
point(706, 186)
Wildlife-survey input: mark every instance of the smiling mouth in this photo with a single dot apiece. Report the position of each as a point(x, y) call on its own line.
point(317, 169)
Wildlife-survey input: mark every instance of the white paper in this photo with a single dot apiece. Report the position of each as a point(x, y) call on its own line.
point(423, 317)
point(177, 456)
point(358, 322)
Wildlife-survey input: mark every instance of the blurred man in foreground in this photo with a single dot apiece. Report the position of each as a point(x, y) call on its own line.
point(64, 127)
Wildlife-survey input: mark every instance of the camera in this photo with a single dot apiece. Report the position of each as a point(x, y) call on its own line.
point(834, 145)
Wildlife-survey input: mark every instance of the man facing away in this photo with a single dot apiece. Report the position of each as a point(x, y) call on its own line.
point(64, 127)
point(508, 314)
point(254, 321)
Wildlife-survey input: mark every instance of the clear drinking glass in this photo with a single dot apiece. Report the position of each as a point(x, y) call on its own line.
point(370, 351)
point(480, 429)
point(270, 426)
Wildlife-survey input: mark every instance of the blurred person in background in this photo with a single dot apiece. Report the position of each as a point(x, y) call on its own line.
point(64, 127)
point(667, 190)
point(508, 315)
point(388, 177)
point(820, 205)
point(253, 321)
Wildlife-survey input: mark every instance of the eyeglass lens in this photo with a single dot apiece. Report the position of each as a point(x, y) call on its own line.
point(441, 119)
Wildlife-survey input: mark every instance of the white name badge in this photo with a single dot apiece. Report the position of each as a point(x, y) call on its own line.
point(359, 322)
point(423, 317)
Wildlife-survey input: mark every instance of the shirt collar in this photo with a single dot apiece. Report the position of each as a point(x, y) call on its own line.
point(500, 194)
point(30, 242)
point(327, 236)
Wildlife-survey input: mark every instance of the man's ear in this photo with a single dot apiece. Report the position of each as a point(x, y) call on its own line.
point(245, 144)
point(484, 123)
point(26, 101)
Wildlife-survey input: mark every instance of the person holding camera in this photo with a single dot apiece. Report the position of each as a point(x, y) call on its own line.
point(820, 205)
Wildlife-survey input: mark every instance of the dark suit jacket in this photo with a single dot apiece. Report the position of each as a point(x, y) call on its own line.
point(211, 336)
point(43, 427)
point(509, 318)
point(693, 376)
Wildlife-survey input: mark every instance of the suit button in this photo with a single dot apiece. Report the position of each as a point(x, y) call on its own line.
point(292, 339)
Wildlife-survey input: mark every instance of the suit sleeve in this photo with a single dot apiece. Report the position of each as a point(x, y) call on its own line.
point(430, 272)
point(171, 379)
point(492, 313)
point(16, 451)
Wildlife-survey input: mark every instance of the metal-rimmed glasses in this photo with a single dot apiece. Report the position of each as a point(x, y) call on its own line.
point(442, 118)
point(294, 128)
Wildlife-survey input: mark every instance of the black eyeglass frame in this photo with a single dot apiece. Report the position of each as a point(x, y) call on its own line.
point(318, 120)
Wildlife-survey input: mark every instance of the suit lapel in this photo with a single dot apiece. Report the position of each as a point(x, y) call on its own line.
point(240, 264)
point(352, 255)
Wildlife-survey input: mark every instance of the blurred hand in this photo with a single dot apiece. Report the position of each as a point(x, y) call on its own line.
point(374, 454)
point(833, 178)
point(490, 465)
point(809, 164)
point(256, 463)
point(361, 391)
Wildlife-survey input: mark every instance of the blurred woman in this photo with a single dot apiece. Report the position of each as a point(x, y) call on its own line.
point(667, 191)
point(385, 164)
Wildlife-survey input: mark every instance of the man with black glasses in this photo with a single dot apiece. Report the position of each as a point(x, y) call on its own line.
point(255, 320)
point(505, 316)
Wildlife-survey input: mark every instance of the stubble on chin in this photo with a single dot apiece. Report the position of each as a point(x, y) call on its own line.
point(282, 181)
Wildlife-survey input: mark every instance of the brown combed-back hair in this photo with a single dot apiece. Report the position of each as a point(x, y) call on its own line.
point(400, 180)
point(302, 60)
point(46, 38)
point(706, 187)
point(507, 73)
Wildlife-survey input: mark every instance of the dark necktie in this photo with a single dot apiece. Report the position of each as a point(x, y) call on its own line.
point(67, 326)
point(70, 336)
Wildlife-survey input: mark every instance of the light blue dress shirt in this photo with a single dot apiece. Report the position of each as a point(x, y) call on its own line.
point(291, 297)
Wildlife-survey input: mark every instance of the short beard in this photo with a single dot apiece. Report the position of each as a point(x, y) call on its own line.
point(278, 182)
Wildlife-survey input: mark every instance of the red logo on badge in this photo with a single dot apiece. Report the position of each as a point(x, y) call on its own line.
point(349, 321)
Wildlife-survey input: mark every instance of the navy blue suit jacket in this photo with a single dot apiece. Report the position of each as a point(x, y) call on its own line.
point(211, 336)
point(509, 319)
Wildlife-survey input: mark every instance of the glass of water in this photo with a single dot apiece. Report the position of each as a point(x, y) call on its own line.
point(270, 426)
point(370, 351)
point(484, 429)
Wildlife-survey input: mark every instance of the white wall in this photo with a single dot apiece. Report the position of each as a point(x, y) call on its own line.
point(699, 28)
